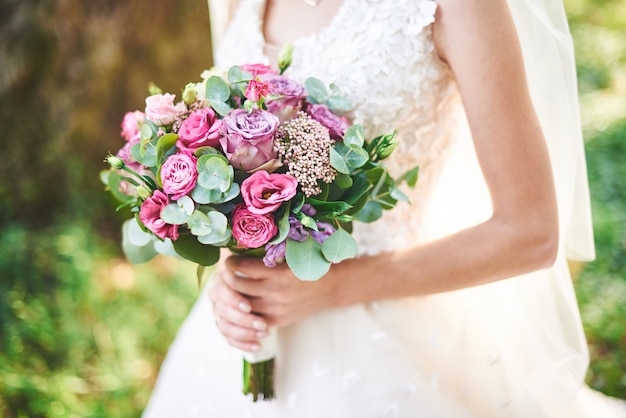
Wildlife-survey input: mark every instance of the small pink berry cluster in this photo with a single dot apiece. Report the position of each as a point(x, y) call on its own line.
point(304, 146)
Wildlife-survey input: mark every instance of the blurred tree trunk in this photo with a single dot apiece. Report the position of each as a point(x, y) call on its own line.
point(69, 70)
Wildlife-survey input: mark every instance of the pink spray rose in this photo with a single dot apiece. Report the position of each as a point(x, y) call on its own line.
point(257, 69)
point(179, 175)
point(248, 140)
point(150, 216)
point(201, 129)
point(337, 125)
point(252, 230)
point(161, 110)
point(263, 193)
point(131, 125)
point(255, 90)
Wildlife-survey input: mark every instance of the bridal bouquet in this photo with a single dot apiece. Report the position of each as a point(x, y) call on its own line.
point(257, 162)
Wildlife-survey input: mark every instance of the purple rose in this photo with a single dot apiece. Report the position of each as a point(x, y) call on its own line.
point(296, 230)
point(291, 97)
point(161, 110)
point(179, 175)
point(131, 126)
point(252, 230)
point(201, 129)
point(275, 253)
point(264, 193)
point(337, 125)
point(248, 140)
point(150, 216)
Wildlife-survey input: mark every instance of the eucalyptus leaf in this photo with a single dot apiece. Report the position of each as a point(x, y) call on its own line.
point(216, 241)
point(220, 107)
point(135, 234)
point(337, 162)
point(307, 221)
point(146, 132)
point(205, 151)
point(114, 180)
point(339, 104)
point(174, 214)
point(397, 194)
point(323, 207)
point(316, 89)
point(215, 175)
point(235, 74)
point(353, 157)
point(214, 196)
point(165, 247)
point(354, 136)
point(343, 181)
point(204, 159)
point(188, 247)
point(165, 143)
point(136, 254)
point(199, 223)
point(339, 246)
point(217, 90)
point(305, 259)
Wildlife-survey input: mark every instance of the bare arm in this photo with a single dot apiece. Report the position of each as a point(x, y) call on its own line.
point(478, 40)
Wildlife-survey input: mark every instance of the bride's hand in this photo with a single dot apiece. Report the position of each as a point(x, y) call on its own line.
point(248, 297)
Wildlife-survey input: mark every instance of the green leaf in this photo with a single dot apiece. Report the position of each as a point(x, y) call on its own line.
point(215, 174)
point(165, 143)
point(174, 214)
point(337, 162)
point(324, 207)
point(339, 246)
point(316, 90)
point(370, 212)
point(354, 136)
point(114, 180)
point(306, 260)
point(199, 223)
point(214, 196)
point(144, 153)
point(361, 185)
point(411, 176)
point(339, 104)
point(205, 151)
point(353, 156)
point(343, 181)
point(217, 90)
point(235, 74)
point(283, 226)
point(138, 246)
point(188, 247)
point(220, 107)
point(147, 131)
point(397, 194)
point(216, 240)
point(307, 221)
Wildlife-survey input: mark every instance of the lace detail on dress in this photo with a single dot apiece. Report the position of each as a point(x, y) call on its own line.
point(382, 55)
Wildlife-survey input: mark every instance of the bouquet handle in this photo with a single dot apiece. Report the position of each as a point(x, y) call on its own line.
point(258, 368)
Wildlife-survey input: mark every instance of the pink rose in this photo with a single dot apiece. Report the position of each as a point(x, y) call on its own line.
point(337, 125)
point(248, 140)
point(161, 110)
point(200, 129)
point(252, 230)
point(150, 216)
point(264, 193)
point(179, 175)
point(257, 69)
point(131, 125)
point(255, 90)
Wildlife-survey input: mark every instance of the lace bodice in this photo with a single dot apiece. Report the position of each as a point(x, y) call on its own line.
point(382, 56)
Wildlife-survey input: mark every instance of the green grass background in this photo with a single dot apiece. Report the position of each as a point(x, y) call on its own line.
point(82, 332)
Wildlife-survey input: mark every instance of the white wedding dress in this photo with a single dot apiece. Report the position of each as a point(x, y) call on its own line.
point(509, 349)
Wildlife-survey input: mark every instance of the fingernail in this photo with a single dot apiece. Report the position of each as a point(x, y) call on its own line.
point(240, 274)
point(260, 325)
point(245, 307)
point(261, 334)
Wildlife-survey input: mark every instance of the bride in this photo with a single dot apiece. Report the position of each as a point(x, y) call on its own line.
point(460, 304)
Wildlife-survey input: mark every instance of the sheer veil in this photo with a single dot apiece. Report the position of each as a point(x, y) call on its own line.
point(532, 321)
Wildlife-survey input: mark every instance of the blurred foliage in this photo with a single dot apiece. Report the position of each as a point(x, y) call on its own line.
point(77, 322)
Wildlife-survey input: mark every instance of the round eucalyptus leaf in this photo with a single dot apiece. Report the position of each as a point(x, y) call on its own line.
point(174, 214)
point(305, 259)
point(339, 246)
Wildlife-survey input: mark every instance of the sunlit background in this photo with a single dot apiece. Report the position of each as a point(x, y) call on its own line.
point(82, 332)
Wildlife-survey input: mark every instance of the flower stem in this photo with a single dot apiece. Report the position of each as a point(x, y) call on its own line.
point(258, 380)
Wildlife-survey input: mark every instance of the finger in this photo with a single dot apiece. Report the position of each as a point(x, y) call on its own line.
point(240, 337)
point(247, 267)
point(250, 321)
point(222, 291)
